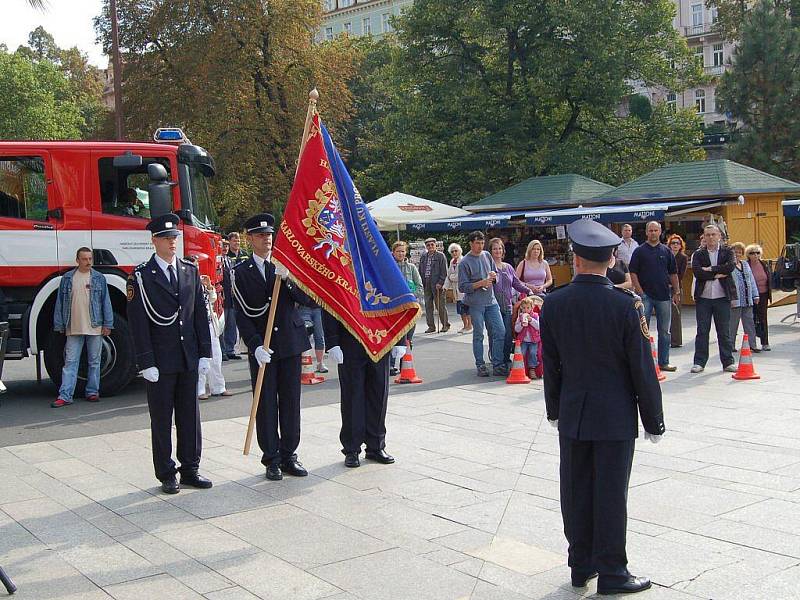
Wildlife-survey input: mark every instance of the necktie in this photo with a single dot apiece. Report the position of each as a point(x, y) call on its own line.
point(173, 280)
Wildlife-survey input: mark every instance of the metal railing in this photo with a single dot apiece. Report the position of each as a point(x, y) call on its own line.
point(692, 30)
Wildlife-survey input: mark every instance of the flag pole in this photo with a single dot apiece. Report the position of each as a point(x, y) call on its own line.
point(313, 96)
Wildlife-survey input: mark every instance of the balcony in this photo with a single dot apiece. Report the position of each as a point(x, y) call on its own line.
point(714, 70)
point(695, 30)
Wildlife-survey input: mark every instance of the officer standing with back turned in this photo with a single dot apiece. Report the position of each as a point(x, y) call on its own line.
point(598, 369)
point(169, 321)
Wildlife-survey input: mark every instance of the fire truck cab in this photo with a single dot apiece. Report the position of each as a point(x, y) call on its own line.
point(56, 197)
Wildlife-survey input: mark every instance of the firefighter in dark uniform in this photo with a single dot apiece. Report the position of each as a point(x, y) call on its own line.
point(278, 416)
point(169, 322)
point(364, 390)
point(598, 370)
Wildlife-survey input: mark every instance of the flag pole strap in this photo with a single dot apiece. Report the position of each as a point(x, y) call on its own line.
point(313, 96)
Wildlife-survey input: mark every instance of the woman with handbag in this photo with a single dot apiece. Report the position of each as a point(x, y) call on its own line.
point(763, 277)
point(451, 283)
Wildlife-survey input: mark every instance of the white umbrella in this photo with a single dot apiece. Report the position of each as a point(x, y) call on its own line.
point(398, 209)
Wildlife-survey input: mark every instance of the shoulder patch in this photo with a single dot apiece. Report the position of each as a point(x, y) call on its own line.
point(188, 262)
point(129, 289)
point(140, 266)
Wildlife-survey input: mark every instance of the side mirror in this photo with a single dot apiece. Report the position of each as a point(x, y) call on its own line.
point(128, 160)
point(159, 190)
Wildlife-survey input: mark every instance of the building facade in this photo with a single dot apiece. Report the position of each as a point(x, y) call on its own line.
point(358, 17)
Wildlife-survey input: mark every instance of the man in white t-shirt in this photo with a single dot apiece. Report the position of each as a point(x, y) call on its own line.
point(627, 245)
point(83, 312)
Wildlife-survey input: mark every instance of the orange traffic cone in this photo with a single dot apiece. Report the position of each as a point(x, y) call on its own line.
point(746, 369)
point(307, 375)
point(659, 374)
point(517, 373)
point(408, 374)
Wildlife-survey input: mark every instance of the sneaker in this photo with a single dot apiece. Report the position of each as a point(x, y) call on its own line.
point(697, 369)
point(766, 348)
point(59, 402)
point(430, 330)
point(756, 350)
point(93, 398)
point(467, 330)
point(394, 371)
point(321, 368)
point(668, 368)
point(444, 329)
point(483, 371)
point(501, 371)
point(730, 369)
point(532, 374)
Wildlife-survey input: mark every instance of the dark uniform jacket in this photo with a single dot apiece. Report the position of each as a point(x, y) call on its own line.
point(178, 346)
point(725, 265)
point(598, 364)
point(229, 261)
point(289, 337)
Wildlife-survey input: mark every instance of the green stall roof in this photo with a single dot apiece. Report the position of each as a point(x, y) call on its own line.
point(542, 192)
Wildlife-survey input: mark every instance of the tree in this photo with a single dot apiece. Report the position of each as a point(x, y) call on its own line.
point(762, 91)
point(480, 94)
point(732, 14)
point(235, 74)
point(36, 100)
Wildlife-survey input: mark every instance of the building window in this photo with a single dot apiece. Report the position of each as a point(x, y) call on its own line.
point(719, 55)
point(348, 28)
point(714, 14)
point(346, 3)
point(23, 188)
point(329, 33)
point(386, 26)
point(328, 5)
point(699, 55)
point(366, 26)
point(672, 102)
point(700, 101)
point(697, 18)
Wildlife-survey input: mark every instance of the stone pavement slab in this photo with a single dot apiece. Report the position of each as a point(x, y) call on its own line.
point(470, 510)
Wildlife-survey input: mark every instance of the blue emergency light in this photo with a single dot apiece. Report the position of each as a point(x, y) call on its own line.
point(170, 135)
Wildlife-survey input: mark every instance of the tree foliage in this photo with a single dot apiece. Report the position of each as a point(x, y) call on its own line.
point(480, 94)
point(732, 14)
point(235, 74)
point(762, 91)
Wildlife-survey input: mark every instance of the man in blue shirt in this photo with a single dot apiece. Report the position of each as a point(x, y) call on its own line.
point(654, 274)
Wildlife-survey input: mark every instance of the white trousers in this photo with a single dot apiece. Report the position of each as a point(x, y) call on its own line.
point(215, 379)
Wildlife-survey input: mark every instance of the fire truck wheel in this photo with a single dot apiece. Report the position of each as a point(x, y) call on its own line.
point(117, 366)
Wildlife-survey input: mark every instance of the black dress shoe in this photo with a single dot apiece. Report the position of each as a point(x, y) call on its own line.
point(293, 467)
point(170, 486)
point(394, 371)
point(582, 579)
point(379, 456)
point(351, 460)
point(196, 480)
point(274, 473)
point(633, 585)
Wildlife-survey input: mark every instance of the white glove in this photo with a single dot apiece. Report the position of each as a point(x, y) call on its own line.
point(336, 355)
point(281, 271)
point(263, 356)
point(553, 424)
point(204, 366)
point(652, 437)
point(400, 352)
point(151, 374)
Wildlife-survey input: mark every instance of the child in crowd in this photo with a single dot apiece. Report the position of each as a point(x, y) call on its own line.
point(527, 328)
point(214, 378)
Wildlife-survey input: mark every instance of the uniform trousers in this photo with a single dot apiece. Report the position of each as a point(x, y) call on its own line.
point(278, 415)
point(594, 498)
point(364, 387)
point(175, 393)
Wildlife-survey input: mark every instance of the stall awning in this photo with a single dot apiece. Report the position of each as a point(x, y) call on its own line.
point(616, 213)
point(791, 208)
point(470, 223)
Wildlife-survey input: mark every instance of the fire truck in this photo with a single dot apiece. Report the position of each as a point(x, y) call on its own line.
point(56, 197)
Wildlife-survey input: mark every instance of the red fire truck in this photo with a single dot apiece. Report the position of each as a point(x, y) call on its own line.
point(58, 196)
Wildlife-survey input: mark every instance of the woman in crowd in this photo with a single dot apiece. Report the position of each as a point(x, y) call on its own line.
point(619, 274)
point(747, 297)
point(411, 275)
point(763, 277)
point(451, 283)
point(505, 282)
point(678, 247)
point(533, 270)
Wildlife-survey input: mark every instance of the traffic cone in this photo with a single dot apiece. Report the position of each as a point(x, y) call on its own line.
point(408, 374)
point(307, 375)
point(746, 370)
point(659, 374)
point(517, 373)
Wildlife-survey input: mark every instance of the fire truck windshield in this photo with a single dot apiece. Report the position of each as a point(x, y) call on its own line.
point(203, 213)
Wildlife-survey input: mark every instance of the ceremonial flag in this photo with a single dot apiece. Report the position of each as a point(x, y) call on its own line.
point(333, 250)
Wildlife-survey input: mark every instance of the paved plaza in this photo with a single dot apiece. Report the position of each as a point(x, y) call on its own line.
point(469, 511)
